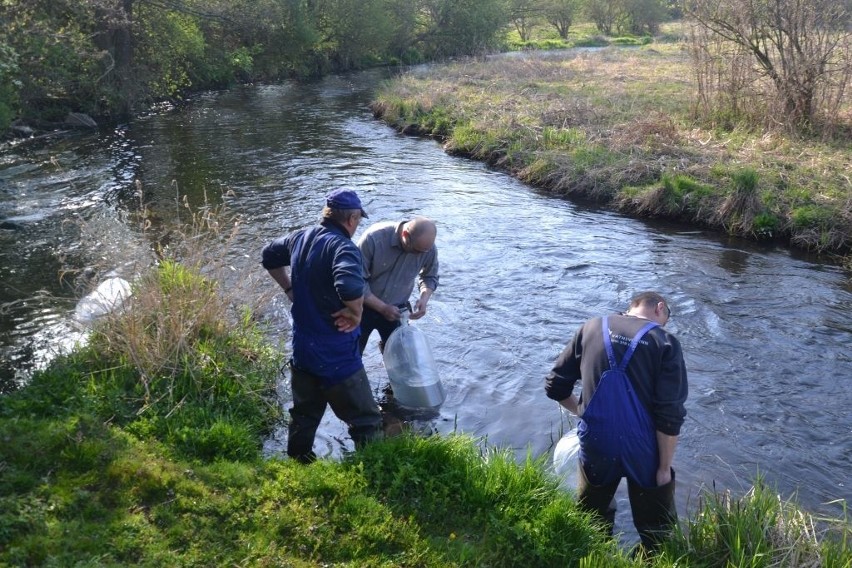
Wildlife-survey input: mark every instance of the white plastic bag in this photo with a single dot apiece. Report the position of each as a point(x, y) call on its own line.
point(108, 296)
point(566, 459)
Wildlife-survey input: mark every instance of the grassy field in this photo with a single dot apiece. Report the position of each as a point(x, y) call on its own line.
point(143, 448)
point(617, 125)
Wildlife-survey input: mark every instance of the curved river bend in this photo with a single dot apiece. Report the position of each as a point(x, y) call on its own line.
point(766, 333)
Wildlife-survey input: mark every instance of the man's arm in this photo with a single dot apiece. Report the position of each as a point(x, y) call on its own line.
point(428, 284)
point(666, 445)
point(283, 278)
point(349, 318)
point(559, 383)
point(572, 404)
point(388, 311)
point(420, 305)
point(349, 283)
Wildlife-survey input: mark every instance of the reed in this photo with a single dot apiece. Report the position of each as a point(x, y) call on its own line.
point(759, 530)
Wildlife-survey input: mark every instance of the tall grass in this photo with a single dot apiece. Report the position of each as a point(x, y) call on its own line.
point(483, 508)
point(183, 353)
point(759, 530)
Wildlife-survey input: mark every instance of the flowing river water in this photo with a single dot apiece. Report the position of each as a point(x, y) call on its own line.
point(766, 332)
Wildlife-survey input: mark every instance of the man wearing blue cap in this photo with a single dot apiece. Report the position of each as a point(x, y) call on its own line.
point(325, 284)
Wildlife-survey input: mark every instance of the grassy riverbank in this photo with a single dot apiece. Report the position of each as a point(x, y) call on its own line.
point(616, 126)
point(144, 448)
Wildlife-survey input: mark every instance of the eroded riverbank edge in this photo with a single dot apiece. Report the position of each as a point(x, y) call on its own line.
point(613, 128)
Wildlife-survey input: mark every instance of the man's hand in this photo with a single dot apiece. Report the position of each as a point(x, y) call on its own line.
point(390, 312)
point(420, 305)
point(346, 320)
point(419, 309)
point(664, 476)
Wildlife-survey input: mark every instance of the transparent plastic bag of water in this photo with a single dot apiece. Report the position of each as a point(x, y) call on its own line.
point(411, 369)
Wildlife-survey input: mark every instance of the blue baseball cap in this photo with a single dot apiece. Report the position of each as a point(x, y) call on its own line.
point(345, 199)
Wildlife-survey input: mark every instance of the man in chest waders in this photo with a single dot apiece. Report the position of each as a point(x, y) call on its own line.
point(631, 409)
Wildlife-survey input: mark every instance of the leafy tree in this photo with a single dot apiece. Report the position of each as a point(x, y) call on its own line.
point(169, 46)
point(280, 37)
point(108, 57)
point(803, 48)
point(560, 14)
point(51, 63)
point(353, 32)
point(461, 27)
point(642, 17)
point(604, 14)
point(9, 83)
point(626, 16)
point(524, 14)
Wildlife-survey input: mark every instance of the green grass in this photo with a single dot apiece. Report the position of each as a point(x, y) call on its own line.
point(758, 530)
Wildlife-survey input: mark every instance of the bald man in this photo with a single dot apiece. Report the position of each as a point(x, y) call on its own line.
point(395, 253)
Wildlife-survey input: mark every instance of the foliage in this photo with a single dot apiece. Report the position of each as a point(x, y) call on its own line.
point(794, 57)
point(637, 17)
point(170, 47)
point(9, 86)
point(111, 57)
point(354, 33)
point(486, 506)
point(644, 16)
point(560, 14)
point(51, 66)
point(524, 15)
point(461, 27)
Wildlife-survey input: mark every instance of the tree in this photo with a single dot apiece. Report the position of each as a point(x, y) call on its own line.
point(560, 14)
point(604, 14)
point(641, 17)
point(523, 14)
point(460, 27)
point(351, 31)
point(803, 48)
point(9, 83)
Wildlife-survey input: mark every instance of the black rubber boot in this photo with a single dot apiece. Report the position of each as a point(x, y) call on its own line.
point(599, 499)
point(654, 513)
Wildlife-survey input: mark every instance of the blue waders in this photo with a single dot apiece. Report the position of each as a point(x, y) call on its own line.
point(618, 439)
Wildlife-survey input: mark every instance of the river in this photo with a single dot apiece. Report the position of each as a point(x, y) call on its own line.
point(766, 332)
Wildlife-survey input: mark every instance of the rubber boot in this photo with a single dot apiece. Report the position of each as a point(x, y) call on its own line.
point(654, 513)
point(599, 499)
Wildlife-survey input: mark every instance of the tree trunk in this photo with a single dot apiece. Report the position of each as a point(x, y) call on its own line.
point(115, 38)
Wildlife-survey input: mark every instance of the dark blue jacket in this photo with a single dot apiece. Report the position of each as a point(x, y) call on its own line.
point(657, 370)
point(325, 270)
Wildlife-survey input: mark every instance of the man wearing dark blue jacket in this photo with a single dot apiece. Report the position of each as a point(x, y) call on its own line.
point(325, 284)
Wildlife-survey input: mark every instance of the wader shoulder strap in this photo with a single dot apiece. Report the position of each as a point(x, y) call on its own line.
point(633, 344)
